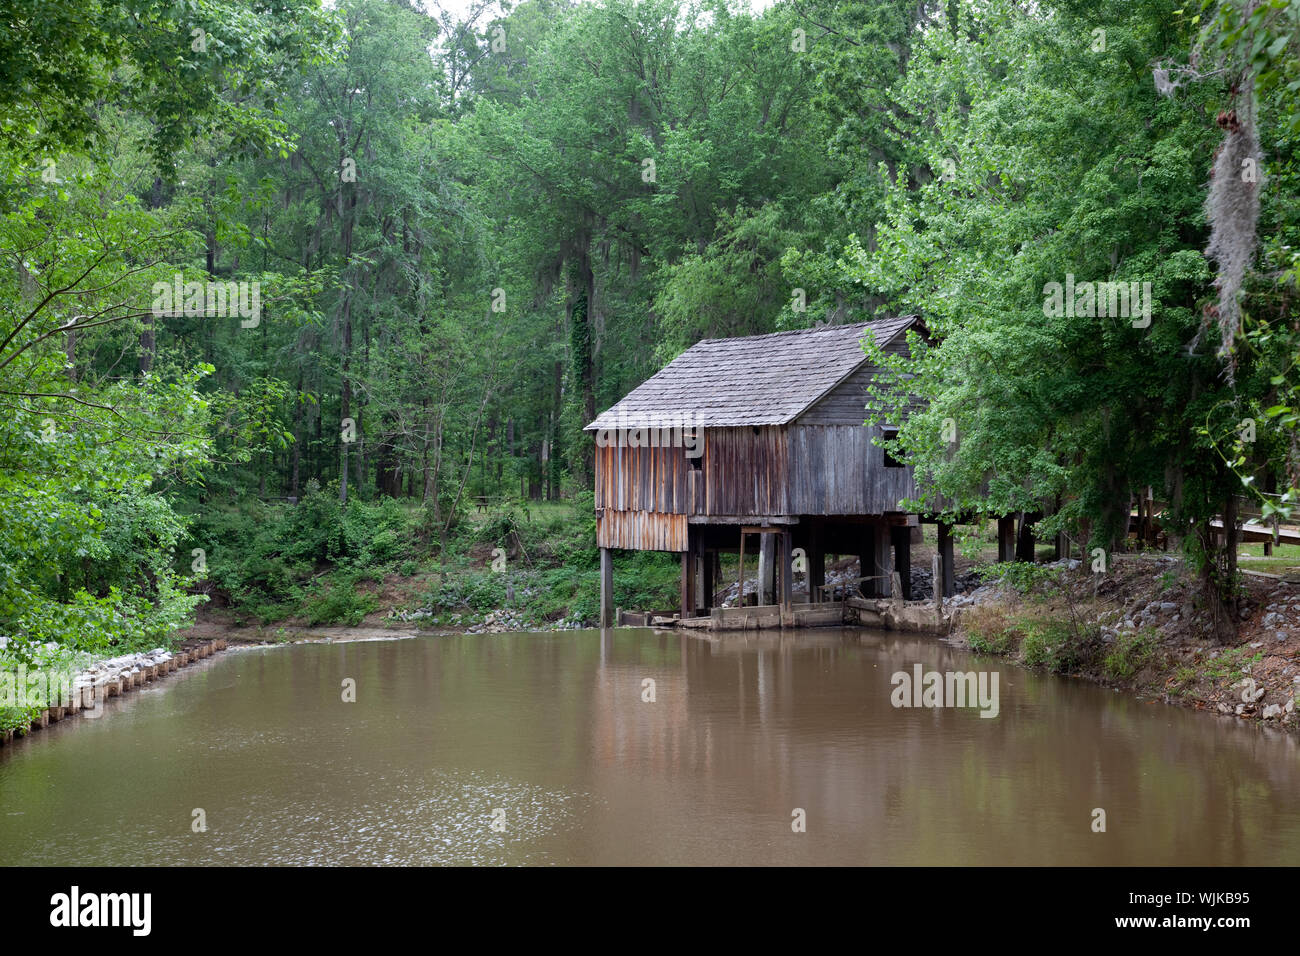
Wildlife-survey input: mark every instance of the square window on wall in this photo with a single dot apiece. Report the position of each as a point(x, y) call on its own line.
point(889, 433)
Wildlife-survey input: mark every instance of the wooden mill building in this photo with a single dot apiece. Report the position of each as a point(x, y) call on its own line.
point(758, 436)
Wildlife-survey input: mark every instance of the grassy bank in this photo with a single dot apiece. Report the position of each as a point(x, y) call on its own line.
point(320, 563)
point(1140, 628)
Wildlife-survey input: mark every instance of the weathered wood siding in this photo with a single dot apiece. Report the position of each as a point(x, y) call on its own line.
point(809, 469)
point(836, 470)
point(644, 479)
point(641, 531)
point(846, 404)
point(740, 473)
point(744, 473)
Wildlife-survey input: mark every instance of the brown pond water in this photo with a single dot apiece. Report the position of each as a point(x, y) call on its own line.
point(551, 729)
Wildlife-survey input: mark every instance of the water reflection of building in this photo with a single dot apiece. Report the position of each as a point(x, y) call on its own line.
point(627, 729)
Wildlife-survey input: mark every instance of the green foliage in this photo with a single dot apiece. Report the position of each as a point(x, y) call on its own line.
point(469, 249)
point(1128, 654)
point(1023, 576)
point(339, 603)
point(992, 637)
point(170, 62)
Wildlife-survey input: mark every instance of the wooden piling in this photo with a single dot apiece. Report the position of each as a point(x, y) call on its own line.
point(787, 573)
point(740, 586)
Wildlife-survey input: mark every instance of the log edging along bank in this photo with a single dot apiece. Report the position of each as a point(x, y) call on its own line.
point(91, 696)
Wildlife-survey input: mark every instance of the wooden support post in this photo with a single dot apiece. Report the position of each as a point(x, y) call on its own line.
point(687, 601)
point(700, 561)
point(949, 587)
point(707, 568)
point(903, 558)
point(1025, 538)
point(884, 562)
point(606, 587)
point(1006, 538)
point(937, 575)
point(787, 571)
point(866, 559)
point(767, 569)
point(816, 563)
point(740, 574)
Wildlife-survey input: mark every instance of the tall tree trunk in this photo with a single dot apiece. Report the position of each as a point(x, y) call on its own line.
point(345, 410)
point(581, 339)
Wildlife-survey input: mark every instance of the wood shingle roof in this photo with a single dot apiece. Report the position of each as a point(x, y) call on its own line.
point(753, 380)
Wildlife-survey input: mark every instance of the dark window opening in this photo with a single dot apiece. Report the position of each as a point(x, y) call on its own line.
point(889, 434)
point(695, 458)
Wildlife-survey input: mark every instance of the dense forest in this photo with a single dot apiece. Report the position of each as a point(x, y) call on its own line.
point(288, 286)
